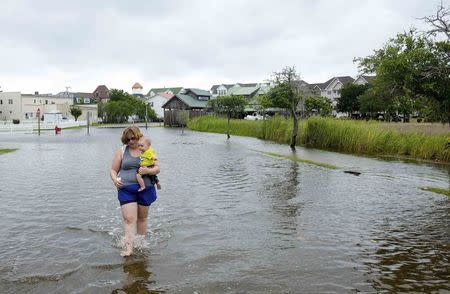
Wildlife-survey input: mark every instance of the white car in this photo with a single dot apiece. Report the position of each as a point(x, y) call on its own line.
point(255, 116)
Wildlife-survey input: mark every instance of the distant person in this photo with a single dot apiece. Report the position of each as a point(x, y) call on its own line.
point(134, 204)
point(148, 158)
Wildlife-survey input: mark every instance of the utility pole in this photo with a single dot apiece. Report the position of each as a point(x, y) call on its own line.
point(146, 105)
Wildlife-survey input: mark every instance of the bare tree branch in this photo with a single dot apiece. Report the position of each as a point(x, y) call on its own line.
point(440, 22)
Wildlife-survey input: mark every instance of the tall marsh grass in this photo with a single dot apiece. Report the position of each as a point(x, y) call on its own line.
point(357, 137)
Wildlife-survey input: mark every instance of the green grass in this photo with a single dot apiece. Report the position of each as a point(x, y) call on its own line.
point(2, 151)
point(296, 159)
point(445, 192)
point(348, 136)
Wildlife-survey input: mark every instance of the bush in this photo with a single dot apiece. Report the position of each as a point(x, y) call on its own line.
point(16, 121)
point(419, 120)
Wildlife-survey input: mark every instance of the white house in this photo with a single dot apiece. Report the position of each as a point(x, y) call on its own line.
point(156, 102)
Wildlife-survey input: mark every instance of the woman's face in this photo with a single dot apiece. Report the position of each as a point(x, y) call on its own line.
point(132, 142)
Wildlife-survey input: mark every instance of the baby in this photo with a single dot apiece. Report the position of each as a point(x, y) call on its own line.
point(148, 158)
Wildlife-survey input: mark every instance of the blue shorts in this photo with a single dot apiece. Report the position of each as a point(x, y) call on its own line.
point(130, 193)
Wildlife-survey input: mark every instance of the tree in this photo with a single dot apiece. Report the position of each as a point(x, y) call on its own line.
point(122, 105)
point(230, 105)
point(287, 94)
point(318, 104)
point(76, 112)
point(348, 101)
point(414, 66)
point(370, 103)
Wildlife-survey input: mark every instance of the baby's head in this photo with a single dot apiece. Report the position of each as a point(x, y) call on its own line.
point(144, 143)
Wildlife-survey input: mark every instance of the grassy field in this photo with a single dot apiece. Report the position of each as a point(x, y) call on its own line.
point(2, 151)
point(419, 141)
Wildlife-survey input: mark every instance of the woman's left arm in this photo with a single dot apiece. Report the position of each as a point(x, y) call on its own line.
point(154, 170)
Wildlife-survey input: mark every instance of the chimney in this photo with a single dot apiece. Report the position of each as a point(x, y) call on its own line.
point(36, 92)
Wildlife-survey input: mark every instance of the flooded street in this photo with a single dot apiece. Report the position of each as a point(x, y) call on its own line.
point(229, 219)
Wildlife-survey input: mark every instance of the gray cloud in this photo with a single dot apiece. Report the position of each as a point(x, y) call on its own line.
point(46, 45)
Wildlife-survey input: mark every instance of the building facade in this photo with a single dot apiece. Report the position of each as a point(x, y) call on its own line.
point(18, 106)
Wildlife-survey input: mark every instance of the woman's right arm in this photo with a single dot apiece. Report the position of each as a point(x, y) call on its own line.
point(115, 167)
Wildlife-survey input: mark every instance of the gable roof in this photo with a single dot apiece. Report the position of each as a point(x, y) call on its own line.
point(198, 92)
point(174, 90)
point(369, 79)
point(344, 80)
point(188, 100)
point(137, 86)
point(244, 91)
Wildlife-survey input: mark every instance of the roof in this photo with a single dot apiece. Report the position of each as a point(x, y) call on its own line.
point(247, 85)
point(369, 79)
point(245, 91)
point(322, 86)
point(82, 95)
point(166, 95)
point(137, 86)
point(346, 79)
point(174, 90)
point(199, 92)
point(188, 100)
point(101, 87)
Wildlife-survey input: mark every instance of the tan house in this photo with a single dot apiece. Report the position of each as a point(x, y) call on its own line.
point(15, 105)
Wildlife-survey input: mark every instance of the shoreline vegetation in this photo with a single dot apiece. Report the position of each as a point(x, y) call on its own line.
point(442, 191)
point(370, 138)
point(6, 150)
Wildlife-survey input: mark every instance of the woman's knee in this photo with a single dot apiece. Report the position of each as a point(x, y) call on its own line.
point(130, 219)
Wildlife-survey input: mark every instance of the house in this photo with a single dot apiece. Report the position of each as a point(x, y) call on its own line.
point(171, 90)
point(330, 89)
point(78, 97)
point(156, 102)
point(180, 104)
point(136, 90)
point(197, 94)
point(15, 105)
point(101, 93)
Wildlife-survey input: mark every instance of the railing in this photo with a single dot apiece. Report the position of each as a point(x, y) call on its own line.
point(8, 126)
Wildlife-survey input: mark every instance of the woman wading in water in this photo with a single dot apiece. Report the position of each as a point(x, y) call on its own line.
point(134, 204)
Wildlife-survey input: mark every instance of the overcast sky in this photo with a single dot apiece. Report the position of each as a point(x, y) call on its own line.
point(47, 45)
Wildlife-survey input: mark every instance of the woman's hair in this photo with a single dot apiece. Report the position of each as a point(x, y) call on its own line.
point(130, 132)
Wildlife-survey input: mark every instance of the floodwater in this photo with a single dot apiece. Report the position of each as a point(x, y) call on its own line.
point(229, 219)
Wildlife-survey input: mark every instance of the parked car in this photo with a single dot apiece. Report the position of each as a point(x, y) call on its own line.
point(256, 116)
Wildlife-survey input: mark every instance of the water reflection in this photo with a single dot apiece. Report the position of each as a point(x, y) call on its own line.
point(282, 191)
point(138, 279)
point(411, 254)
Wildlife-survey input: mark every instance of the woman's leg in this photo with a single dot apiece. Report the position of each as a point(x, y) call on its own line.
point(129, 214)
point(142, 219)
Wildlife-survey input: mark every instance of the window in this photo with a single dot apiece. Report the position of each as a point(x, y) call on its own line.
point(87, 100)
point(1, 101)
point(34, 101)
point(46, 101)
point(151, 104)
point(10, 101)
point(329, 92)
